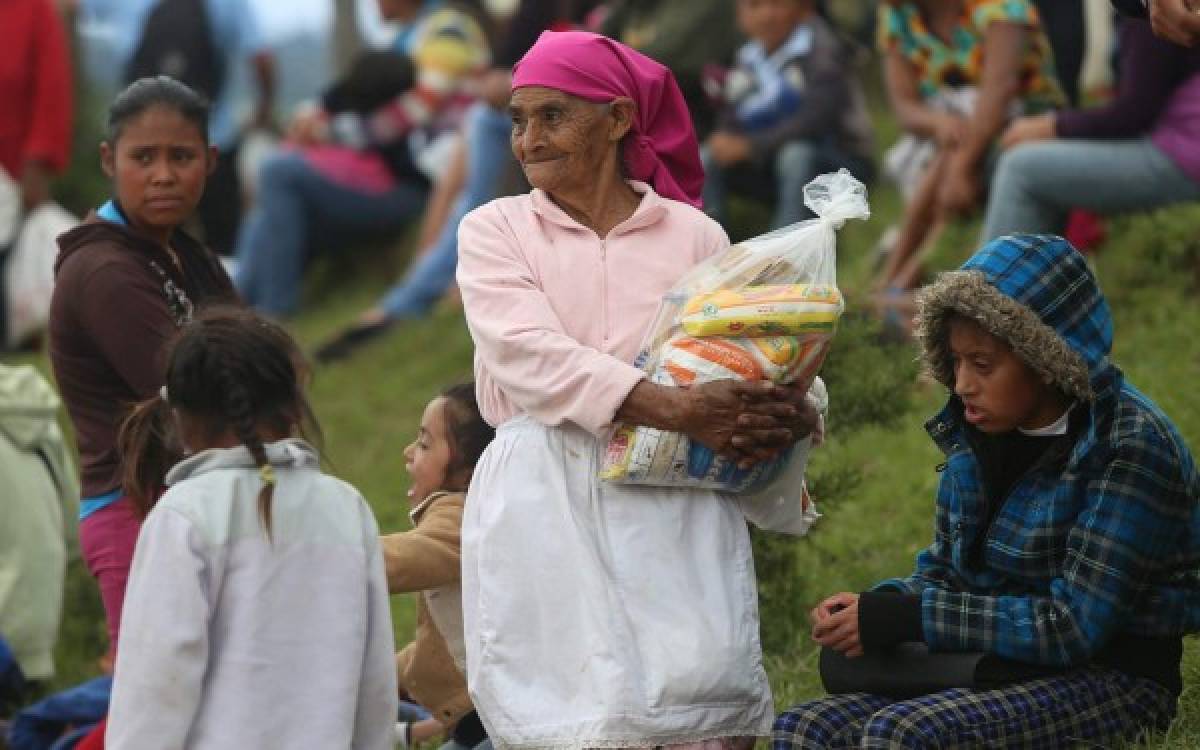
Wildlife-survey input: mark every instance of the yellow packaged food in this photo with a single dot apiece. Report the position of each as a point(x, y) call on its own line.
point(766, 310)
point(787, 359)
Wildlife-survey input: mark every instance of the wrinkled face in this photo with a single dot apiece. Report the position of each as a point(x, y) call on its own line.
point(999, 391)
point(427, 458)
point(562, 141)
point(158, 166)
point(770, 22)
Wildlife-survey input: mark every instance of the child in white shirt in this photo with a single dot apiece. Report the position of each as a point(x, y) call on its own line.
point(257, 611)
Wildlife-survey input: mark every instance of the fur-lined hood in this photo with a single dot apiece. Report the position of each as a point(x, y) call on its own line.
point(1035, 292)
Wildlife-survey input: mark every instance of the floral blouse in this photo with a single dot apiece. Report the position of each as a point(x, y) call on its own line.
point(959, 63)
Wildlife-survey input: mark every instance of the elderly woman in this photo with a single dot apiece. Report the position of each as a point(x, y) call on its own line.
point(602, 615)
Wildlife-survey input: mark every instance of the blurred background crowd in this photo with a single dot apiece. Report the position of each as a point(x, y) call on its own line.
point(342, 122)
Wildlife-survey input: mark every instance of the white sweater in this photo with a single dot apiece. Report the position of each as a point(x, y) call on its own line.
point(231, 640)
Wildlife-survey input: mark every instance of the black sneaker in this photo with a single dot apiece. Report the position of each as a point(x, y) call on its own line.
point(345, 343)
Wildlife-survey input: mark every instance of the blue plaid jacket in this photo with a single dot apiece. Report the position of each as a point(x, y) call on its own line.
point(1107, 542)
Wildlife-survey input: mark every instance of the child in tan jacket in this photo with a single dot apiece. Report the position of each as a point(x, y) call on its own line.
point(431, 669)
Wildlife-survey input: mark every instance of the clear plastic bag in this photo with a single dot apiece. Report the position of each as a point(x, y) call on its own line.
point(766, 308)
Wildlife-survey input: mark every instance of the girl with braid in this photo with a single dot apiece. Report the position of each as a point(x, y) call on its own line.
point(257, 607)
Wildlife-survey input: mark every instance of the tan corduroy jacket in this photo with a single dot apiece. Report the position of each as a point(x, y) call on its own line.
point(426, 560)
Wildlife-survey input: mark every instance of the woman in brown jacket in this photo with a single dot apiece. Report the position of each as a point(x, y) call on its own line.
point(431, 669)
point(125, 282)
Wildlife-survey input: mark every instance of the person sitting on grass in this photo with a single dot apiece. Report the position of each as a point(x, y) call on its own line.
point(360, 165)
point(1139, 152)
point(1067, 533)
point(793, 110)
point(1174, 20)
point(426, 560)
point(476, 173)
point(956, 72)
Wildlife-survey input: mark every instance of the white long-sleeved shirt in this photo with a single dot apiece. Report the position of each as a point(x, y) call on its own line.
point(233, 640)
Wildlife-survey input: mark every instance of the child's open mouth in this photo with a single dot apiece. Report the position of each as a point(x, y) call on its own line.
point(972, 414)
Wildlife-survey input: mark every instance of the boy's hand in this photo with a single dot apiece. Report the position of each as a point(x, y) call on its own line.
point(835, 624)
point(729, 148)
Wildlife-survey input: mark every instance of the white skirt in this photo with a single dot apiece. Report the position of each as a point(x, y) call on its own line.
point(602, 615)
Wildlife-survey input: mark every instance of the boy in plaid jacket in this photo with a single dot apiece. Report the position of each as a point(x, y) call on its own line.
point(1067, 538)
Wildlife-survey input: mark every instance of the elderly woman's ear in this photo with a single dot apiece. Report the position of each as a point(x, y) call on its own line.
point(621, 112)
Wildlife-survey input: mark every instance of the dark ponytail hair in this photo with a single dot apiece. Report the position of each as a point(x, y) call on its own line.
point(148, 447)
point(466, 432)
point(229, 369)
point(157, 91)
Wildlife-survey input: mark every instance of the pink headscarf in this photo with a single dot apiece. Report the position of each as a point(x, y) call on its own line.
point(661, 148)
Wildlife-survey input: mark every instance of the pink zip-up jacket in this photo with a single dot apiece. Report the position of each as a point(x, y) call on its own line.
point(558, 313)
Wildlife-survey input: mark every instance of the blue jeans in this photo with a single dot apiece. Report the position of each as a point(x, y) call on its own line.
point(488, 153)
point(296, 203)
point(792, 166)
point(1037, 184)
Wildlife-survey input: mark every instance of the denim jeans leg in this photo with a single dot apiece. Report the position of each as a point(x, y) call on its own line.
point(488, 153)
point(428, 278)
point(715, 190)
point(1014, 203)
point(796, 164)
point(1036, 184)
point(270, 245)
point(295, 201)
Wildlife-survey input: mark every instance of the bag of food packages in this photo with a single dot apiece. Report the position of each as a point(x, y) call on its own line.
point(767, 309)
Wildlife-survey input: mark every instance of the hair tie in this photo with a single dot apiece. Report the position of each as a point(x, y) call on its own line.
point(267, 472)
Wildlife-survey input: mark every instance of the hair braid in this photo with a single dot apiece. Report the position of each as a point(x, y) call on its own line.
point(240, 412)
point(229, 372)
point(148, 449)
